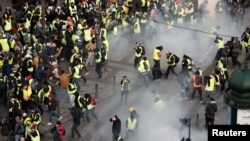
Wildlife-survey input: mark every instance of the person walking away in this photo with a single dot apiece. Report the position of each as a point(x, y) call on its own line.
point(131, 127)
point(209, 83)
point(157, 75)
point(89, 107)
point(72, 89)
point(224, 73)
point(125, 88)
point(116, 127)
point(217, 84)
point(210, 111)
point(52, 106)
point(138, 54)
point(197, 86)
point(76, 114)
point(98, 63)
point(143, 69)
point(172, 61)
point(157, 56)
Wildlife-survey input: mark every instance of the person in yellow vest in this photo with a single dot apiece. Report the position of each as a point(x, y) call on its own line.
point(245, 39)
point(125, 88)
point(72, 89)
point(187, 63)
point(98, 63)
point(4, 43)
point(143, 69)
point(77, 73)
point(7, 26)
point(103, 32)
point(35, 135)
point(171, 60)
point(157, 56)
point(220, 42)
point(138, 54)
point(89, 107)
point(137, 30)
point(27, 91)
point(209, 83)
point(218, 79)
point(132, 125)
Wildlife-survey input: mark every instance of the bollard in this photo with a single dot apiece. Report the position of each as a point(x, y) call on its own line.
point(96, 91)
point(197, 120)
point(114, 84)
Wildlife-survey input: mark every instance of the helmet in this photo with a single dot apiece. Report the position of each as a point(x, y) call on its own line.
point(131, 109)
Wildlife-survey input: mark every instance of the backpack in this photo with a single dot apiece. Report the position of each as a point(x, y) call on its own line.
point(93, 100)
point(20, 129)
point(62, 129)
point(143, 50)
point(125, 85)
point(176, 58)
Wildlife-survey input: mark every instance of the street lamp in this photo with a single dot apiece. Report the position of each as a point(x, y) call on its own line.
point(186, 122)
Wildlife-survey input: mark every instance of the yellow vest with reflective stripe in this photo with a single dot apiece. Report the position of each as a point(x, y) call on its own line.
point(138, 28)
point(36, 138)
point(155, 55)
point(90, 106)
point(103, 33)
point(100, 58)
point(5, 45)
point(26, 120)
point(79, 102)
point(8, 25)
point(73, 10)
point(210, 88)
point(132, 123)
point(26, 94)
point(48, 93)
point(72, 88)
point(77, 71)
point(125, 23)
point(87, 34)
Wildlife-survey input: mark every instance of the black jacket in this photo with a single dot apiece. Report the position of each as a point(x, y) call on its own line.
point(116, 128)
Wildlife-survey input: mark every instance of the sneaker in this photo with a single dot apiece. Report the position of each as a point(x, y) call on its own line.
point(60, 118)
point(201, 102)
point(186, 97)
point(49, 123)
point(87, 73)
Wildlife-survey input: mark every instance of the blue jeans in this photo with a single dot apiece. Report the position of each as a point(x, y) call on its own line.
point(208, 96)
point(17, 137)
point(98, 69)
point(92, 112)
point(218, 90)
point(77, 83)
point(53, 113)
point(124, 96)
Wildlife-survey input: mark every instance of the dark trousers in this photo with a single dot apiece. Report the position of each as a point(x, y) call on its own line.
point(199, 92)
point(75, 130)
point(98, 69)
point(136, 61)
point(209, 121)
point(170, 69)
point(156, 64)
